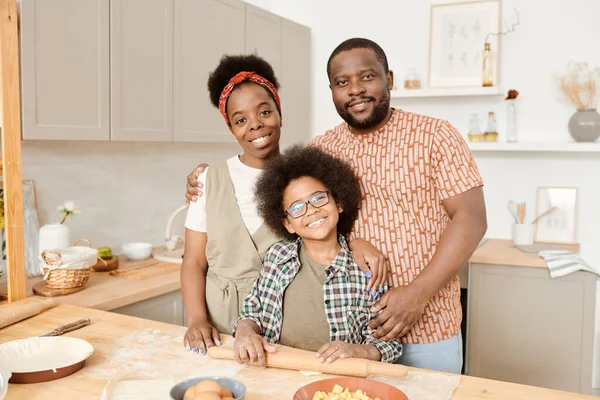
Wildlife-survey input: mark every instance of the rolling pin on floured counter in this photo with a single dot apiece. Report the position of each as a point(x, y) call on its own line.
point(302, 360)
point(22, 309)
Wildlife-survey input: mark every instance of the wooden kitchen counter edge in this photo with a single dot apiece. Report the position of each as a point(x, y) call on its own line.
point(108, 292)
point(503, 252)
point(115, 326)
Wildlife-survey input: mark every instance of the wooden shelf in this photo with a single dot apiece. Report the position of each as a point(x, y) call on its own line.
point(562, 147)
point(447, 92)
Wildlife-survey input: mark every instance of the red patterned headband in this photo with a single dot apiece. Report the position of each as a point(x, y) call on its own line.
point(242, 77)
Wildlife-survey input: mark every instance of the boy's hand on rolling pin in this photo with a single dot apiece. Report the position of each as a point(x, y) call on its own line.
point(330, 352)
point(200, 336)
point(193, 185)
point(371, 262)
point(250, 347)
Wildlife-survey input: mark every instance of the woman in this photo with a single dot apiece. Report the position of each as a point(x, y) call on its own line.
point(310, 293)
point(225, 239)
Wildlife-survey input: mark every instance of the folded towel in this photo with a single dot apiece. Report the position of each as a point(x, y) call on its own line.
point(562, 262)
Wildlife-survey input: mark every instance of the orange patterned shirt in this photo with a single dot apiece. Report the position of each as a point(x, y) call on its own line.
point(406, 169)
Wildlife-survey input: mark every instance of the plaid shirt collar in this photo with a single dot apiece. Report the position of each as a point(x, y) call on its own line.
point(343, 258)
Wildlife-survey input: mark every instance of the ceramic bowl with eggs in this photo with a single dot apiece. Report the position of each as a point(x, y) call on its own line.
point(209, 388)
point(137, 251)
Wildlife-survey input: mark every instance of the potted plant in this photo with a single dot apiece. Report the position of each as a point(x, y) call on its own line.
point(58, 236)
point(579, 85)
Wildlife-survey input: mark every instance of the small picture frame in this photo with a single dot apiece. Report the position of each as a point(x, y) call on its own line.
point(560, 224)
point(457, 38)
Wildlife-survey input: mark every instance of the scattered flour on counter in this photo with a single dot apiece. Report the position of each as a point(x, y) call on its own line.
point(150, 354)
point(419, 385)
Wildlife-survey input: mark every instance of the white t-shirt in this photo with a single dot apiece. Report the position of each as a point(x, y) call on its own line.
point(243, 178)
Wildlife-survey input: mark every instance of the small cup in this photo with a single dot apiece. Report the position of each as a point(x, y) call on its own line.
point(523, 234)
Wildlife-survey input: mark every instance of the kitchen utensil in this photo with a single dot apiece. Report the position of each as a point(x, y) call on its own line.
point(237, 388)
point(512, 209)
point(373, 389)
point(41, 289)
point(41, 359)
point(20, 310)
point(137, 251)
point(106, 265)
point(521, 208)
point(302, 360)
point(146, 269)
point(80, 323)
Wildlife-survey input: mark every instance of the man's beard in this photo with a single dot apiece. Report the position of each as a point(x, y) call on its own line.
point(379, 113)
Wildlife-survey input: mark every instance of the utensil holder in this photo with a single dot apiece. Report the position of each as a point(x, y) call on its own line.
point(523, 234)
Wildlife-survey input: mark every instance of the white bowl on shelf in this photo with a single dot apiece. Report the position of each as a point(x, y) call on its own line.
point(137, 251)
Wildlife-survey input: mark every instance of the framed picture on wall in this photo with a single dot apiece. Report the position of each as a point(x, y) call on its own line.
point(457, 39)
point(557, 215)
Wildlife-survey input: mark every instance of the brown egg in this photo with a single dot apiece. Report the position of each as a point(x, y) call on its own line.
point(208, 386)
point(226, 393)
point(189, 394)
point(207, 396)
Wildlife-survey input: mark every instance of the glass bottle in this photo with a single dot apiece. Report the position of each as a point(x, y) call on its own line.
point(491, 133)
point(475, 134)
point(488, 66)
point(412, 80)
point(511, 120)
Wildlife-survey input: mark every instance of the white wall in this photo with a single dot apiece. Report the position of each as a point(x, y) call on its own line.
point(126, 191)
point(547, 38)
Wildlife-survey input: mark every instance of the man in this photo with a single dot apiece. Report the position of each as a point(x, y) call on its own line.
point(423, 204)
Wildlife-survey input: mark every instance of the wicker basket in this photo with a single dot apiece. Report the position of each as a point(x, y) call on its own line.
point(66, 278)
point(58, 277)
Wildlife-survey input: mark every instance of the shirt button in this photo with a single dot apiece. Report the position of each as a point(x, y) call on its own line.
point(334, 330)
point(326, 301)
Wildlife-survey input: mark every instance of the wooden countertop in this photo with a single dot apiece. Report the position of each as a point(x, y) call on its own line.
point(503, 252)
point(132, 348)
point(107, 292)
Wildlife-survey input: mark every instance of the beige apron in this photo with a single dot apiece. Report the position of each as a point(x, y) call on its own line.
point(234, 256)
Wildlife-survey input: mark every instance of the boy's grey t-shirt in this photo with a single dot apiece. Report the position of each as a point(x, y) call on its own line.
point(305, 324)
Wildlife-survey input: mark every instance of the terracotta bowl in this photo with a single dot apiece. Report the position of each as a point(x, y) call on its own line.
point(373, 389)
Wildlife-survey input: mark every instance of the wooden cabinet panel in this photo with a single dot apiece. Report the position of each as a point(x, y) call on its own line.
point(167, 308)
point(65, 69)
point(205, 30)
point(296, 82)
point(528, 328)
point(263, 36)
point(141, 70)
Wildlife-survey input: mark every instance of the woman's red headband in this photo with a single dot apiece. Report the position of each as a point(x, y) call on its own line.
point(242, 77)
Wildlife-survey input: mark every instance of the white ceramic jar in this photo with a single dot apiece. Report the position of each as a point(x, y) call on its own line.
point(54, 237)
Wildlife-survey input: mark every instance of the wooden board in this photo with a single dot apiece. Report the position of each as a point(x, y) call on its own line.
point(11, 149)
point(111, 265)
point(42, 290)
point(146, 269)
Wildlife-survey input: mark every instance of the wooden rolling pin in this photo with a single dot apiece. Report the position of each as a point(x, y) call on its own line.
point(301, 360)
point(22, 309)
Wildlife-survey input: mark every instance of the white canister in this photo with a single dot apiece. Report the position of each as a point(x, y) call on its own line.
point(54, 237)
point(523, 233)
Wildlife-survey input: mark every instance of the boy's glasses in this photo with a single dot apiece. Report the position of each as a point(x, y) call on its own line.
point(318, 200)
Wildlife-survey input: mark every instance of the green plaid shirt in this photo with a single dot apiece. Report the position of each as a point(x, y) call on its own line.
point(346, 300)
